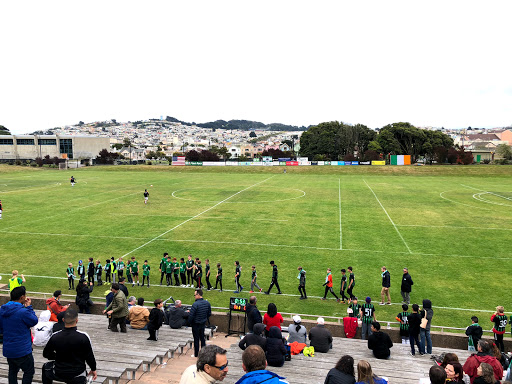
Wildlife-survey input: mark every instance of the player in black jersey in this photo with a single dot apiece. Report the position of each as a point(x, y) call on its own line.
point(146, 196)
point(73, 181)
point(218, 279)
point(274, 279)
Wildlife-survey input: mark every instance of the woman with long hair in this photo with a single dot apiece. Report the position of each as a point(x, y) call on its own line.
point(454, 372)
point(272, 318)
point(485, 374)
point(365, 374)
point(343, 372)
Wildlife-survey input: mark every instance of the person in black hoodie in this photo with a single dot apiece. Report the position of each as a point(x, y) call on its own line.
point(474, 331)
point(253, 314)
point(275, 348)
point(156, 319)
point(254, 338)
point(70, 350)
point(379, 342)
point(414, 320)
point(427, 313)
point(405, 288)
point(82, 296)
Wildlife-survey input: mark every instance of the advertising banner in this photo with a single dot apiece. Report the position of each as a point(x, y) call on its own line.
point(321, 162)
point(335, 163)
point(282, 163)
point(378, 162)
point(355, 162)
point(260, 163)
point(314, 163)
point(302, 159)
point(327, 163)
point(304, 162)
point(284, 159)
point(276, 163)
point(364, 162)
point(292, 163)
point(267, 159)
point(231, 163)
point(268, 164)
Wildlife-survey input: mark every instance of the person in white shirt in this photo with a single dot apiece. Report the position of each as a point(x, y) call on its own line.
point(43, 329)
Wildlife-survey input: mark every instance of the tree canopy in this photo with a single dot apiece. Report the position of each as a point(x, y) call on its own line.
point(4, 131)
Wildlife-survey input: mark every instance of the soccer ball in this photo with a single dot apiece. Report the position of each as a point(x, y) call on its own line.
point(151, 185)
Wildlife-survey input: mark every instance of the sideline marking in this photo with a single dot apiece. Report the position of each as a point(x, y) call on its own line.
point(453, 226)
point(186, 217)
point(193, 217)
point(387, 214)
point(256, 293)
point(458, 202)
point(484, 192)
point(25, 189)
point(263, 245)
point(339, 195)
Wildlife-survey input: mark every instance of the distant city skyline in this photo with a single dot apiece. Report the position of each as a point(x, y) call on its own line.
point(439, 64)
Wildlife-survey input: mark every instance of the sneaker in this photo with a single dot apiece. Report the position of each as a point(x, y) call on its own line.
point(251, 291)
point(138, 284)
point(323, 298)
point(241, 288)
point(236, 292)
point(382, 304)
point(412, 354)
point(279, 293)
point(261, 289)
point(342, 301)
point(266, 293)
point(388, 303)
point(301, 298)
point(338, 300)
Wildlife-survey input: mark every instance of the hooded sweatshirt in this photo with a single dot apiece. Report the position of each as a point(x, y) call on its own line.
point(43, 329)
point(427, 306)
point(254, 338)
point(256, 377)
point(275, 348)
point(15, 323)
point(55, 307)
point(139, 316)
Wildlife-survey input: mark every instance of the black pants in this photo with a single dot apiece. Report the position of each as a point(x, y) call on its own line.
point(302, 290)
point(274, 282)
point(129, 276)
point(412, 339)
point(183, 278)
point(118, 320)
point(107, 277)
point(198, 281)
point(499, 342)
point(49, 375)
point(71, 282)
point(119, 274)
point(350, 294)
point(162, 275)
point(168, 278)
point(176, 280)
point(238, 285)
point(329, 289)
point(218, 281)
point(98, 278)
point(84, 308)
point(153, 334)
point(189, 277)
point(198, 333)
point(208, 285)
point(342, 294)
point(90, 278)
point(26, 364)
point(144, 279)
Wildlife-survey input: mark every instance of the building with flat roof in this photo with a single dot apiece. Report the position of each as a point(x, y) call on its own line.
point(29, 147)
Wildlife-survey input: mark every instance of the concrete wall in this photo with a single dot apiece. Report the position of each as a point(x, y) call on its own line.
point(221, 320)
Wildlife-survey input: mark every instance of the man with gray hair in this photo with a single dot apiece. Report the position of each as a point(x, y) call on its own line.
point(177, 316)
point(320, 337)
point(211, 366)
point(405, 288)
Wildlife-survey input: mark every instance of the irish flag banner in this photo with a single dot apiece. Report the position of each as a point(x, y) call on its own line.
point(400, 160)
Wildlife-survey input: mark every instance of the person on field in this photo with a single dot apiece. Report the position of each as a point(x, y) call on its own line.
point(16, 281)
point(386, 283)
point(351, 283)
point(108, 269)
point(190, 270)
point(146, 196)
point(254, 277)
point(98, 271)
point(474, 333)
point(145, 272)
point(343, 286)
point(218, 278)
point(274, 279)
point(405, 288)
point(72, 180)
point(328, 286)
point(90, 270)
point(238, 273)
point(80, 270)
point(70, 274)
point(120, 269)
point(500, 322)
point(176, 271)
point(113, 270)
point(302, 283)
point(134, 266)
point(0, 209)
point(161, 268)
point(16, 319)
point(183, 272)
point(54, 306)
point(207, 274)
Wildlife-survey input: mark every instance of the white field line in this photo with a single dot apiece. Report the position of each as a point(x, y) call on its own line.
point(387, 214)
point(262, 245)
point(458, 202)
point(258, 293)
point(170, 216)
point(19, 190)
point(69, 211)
point(193, 217)
point(483, 190)
point(454, 227)
point(339, 197)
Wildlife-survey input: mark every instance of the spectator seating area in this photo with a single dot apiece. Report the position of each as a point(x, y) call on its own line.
point(120, 357)
point(400, 368)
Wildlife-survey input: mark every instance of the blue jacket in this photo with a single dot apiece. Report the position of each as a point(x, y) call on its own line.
point(15, 323)
point(200, 312)
point(260, 376)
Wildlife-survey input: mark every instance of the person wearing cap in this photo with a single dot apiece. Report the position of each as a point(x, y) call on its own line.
point(379, 342)
point(296, 331)
point(156, 319)
point(54, 306)
point(320, 337)
point(406, 287)
point(367, 317)
point(254, 338)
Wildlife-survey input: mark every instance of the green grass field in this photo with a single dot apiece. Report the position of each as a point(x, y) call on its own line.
point(452, 226)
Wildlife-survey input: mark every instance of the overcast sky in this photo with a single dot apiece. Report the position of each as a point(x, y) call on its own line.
point(435, 63)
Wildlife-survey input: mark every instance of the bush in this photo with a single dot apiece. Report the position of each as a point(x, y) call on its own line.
point(486, 161)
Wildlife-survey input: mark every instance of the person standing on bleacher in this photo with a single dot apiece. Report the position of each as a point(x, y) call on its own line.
point(118, 308)
point(199, 313)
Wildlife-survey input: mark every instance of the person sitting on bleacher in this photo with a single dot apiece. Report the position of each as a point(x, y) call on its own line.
point(254, 338)
point(54, 306)
point(320, 337)
point(436, 375)
point(43, 329)
point(139, 315)
point(59, 325)
point(365, 374)
point(211, 366)
point(484, 355)
point(297, 332)
point(254, 364)
point(379, 342)
point(343, 372)
point(275, 348)
point(177, 316)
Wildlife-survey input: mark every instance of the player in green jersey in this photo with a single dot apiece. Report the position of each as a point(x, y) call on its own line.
point(168, 268)
point(190, 270)
point(108, 268)
point(254, 278)
point(161, 268)
point(128, 272)
point(183, 272)
point(120, 268)
point(367, 317)
point(351, 284)
point(404, 324)
point(134, 269)
point(70, 273)
point(98, 270)
point(145, 272)
point(176, 271)
point(500, 323)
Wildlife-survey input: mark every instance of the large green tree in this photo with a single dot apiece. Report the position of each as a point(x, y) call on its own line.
point(4, 131)
point(334, 140)
point(504, 151)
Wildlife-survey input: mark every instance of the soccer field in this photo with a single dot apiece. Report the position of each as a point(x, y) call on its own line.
point(451, 226)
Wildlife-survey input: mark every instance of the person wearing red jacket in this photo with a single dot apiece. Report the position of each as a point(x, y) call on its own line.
point(54, 306)
point(484, 355)
point(328, 286)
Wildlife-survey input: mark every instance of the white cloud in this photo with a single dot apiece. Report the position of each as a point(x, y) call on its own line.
point(296, 62)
